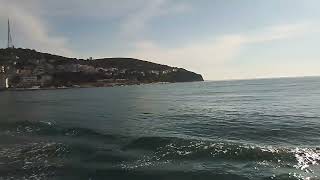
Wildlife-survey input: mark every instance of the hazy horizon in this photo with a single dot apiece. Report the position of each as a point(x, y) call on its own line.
point(222, 40)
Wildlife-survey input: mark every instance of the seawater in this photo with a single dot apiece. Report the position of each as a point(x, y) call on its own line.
point(246, 129)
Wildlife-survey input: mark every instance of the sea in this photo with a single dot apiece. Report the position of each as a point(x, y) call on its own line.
point(226, 130)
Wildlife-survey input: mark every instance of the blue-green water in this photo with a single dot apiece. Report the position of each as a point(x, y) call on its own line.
point(253, 129)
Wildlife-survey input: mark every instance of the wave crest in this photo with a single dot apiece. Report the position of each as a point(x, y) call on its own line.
point(171, 149)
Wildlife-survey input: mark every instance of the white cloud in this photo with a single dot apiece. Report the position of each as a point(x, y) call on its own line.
point(136, 23)
point(282, 32)
point(211, 56)
point(78, 8)
point(89, 9)
point(29, 30)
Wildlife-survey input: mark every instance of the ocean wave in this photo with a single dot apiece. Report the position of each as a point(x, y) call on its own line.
point(43, 158)
point(172, 149)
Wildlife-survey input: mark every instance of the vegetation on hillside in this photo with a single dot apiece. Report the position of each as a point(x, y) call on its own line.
point(68, 71)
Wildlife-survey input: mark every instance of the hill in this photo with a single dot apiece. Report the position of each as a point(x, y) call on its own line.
point(26, 68)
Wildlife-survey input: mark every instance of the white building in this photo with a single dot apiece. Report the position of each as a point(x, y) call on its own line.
point(2, 69)
point(154, 72)
point(166, 71)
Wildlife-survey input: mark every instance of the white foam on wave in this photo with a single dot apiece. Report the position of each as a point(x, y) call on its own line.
point(306, 158)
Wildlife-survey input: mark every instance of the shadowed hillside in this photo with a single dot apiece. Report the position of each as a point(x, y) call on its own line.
point(25, 68)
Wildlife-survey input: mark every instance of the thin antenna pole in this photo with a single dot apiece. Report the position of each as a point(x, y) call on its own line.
point(8, 34)
point(10, 44)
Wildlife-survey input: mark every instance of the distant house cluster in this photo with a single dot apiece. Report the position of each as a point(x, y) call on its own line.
point(21, 76)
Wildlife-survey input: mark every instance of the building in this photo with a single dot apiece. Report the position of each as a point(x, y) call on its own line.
point(123, 71)
point(3, 83)
point(154, 72)
point(29, 81)
point(24, 72)
point(166, 71)
point(45, 79)
point(2, 69)
point(87, 69)
point(39, 70)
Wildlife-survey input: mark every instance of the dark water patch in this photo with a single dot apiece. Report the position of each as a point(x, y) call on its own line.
point(252, 127)
point(50, 129)
point(118, 174)
point(87, 153)
point(147, 113)
point(149, 143)
point(31, 161)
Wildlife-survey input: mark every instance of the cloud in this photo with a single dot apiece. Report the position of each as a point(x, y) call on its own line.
point(100, 9)
point(78, 8)
point(281, 32)
point(211, 56)
point(29, 30)
point(136, 23)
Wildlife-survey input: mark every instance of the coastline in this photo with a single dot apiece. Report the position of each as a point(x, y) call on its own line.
point(89, 85)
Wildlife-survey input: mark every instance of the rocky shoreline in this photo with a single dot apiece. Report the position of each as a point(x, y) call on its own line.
point(80, 86)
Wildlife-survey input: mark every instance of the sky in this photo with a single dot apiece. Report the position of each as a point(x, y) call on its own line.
point(220, 39)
